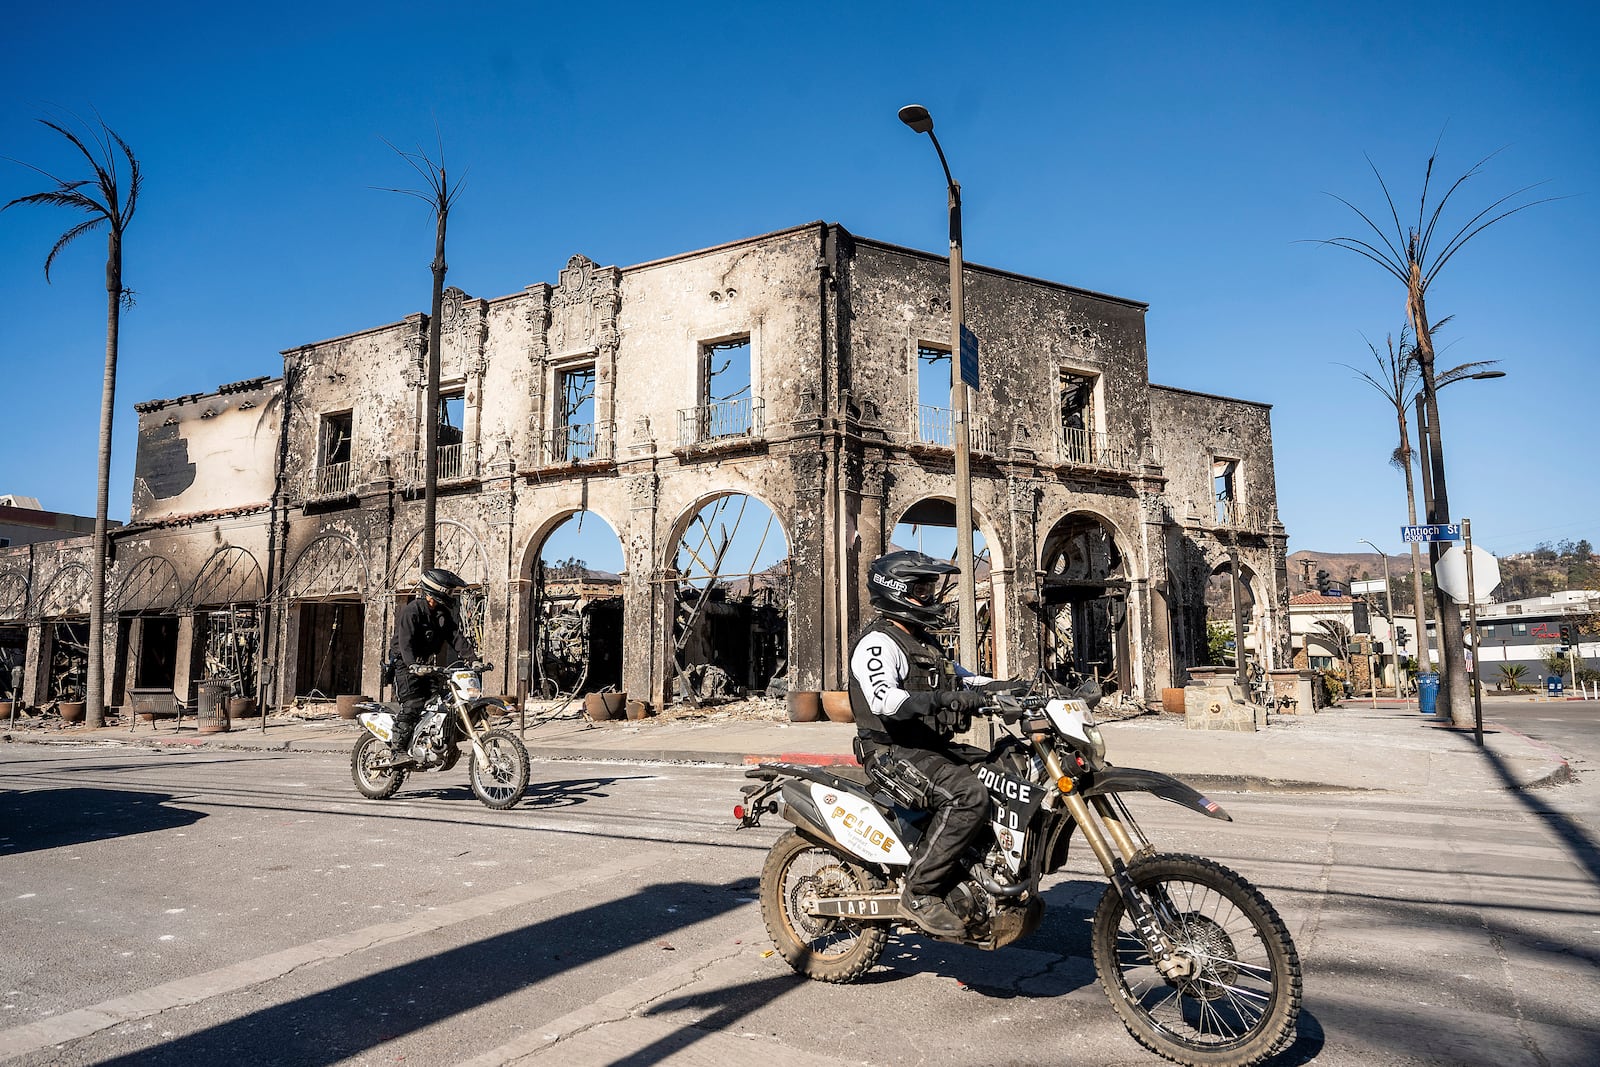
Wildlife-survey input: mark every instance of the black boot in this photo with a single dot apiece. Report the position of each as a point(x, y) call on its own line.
point(929, 911)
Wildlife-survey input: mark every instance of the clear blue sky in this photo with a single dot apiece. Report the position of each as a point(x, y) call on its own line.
point(1152, 151)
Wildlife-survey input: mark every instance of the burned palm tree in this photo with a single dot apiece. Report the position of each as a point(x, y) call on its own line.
point(108, 198)
point(1398, 379)
point(440, 195)
point(1413, 254)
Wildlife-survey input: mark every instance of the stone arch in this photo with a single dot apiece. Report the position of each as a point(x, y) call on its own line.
point(13, 595)
point(151, 587)
point(729, 627)
point(573, 622)
point(1084, 597)
point(67, 593)
point(456, 548)
point(933, 509)
point(231, 575)
point(1253, 606)
point(331, 565)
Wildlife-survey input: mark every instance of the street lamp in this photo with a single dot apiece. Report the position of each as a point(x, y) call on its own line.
point(1436, 502)
point(916, 116)
point(1388, 592)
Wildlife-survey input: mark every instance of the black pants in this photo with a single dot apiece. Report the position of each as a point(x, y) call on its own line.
point(412, 693)
point(958, 804)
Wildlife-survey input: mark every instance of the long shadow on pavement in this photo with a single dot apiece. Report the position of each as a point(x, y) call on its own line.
point(37, 819)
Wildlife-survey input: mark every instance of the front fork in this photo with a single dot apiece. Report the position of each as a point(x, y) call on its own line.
point(1117, 841)
point(472, 736)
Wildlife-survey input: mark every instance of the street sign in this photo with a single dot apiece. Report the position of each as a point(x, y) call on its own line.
point(969, 357)
point(1439, 531)
point(1451, 573)
point(1376, 585)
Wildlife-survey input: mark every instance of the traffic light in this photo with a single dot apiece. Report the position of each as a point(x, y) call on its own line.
point(1401, 635)
point(1566, 633)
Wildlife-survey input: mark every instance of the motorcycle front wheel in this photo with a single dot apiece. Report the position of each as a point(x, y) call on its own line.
point(1240, 1001)
point(500, 783)
point(798, 871)
point(374, 782)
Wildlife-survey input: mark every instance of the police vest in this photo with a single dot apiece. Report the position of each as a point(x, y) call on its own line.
point(929, 670)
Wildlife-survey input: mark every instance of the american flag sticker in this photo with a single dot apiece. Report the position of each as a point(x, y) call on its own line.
point(1209, 805)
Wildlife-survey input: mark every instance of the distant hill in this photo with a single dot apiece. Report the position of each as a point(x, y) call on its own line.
point(1545, 570)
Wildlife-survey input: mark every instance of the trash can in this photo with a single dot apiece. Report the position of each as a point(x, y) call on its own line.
point(1554, 685)
point(1427, 693)
point(213, 708)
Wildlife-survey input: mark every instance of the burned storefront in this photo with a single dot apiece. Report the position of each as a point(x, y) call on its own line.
point(667, 480)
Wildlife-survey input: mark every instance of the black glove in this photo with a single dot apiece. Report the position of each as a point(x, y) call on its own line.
point(962, 700)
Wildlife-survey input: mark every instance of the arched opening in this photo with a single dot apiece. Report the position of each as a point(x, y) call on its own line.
point(145, 603)
point(64, 608)
point(1084, 603)
point(324, 590)
point(575, 608)
point(929, 527)
point(226, 598)
point(732, 598)
point(13, 631)
point(1226, 600)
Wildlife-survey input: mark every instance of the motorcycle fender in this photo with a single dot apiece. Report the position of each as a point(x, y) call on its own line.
point(1133, 780)
point(379, 724)
point(488, 706)
point(857, 825)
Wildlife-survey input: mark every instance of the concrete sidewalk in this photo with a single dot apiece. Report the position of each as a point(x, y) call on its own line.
point(1352, 746)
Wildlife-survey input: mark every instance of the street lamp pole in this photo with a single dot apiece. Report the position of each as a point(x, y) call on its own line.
point(1388, 592)
point(920, 121)
point(1436, 496)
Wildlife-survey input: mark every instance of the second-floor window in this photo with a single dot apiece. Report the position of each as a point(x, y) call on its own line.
point(333, 453)
point(933, 395)
point(1225, 490)
point(451, 431)
point(575, 422)
point(728, 406)
point(1078, 417)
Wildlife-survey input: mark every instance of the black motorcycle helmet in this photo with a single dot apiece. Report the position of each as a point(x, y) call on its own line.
point(905, 586)
point(442, 585)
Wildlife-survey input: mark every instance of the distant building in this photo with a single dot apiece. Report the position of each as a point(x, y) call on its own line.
point(24, 522)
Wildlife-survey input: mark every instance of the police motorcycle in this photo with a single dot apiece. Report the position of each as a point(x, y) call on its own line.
point(457, 716)
point(1196, 963)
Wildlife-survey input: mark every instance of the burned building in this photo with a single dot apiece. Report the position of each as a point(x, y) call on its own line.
point(751, 424)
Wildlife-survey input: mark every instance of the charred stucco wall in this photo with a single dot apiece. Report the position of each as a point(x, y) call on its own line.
point(206, 452)
point(1193, 431)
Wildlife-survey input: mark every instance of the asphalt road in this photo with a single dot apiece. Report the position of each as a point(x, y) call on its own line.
point(204, 907)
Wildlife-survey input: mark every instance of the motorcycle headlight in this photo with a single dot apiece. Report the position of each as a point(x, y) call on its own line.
point(1097, 742)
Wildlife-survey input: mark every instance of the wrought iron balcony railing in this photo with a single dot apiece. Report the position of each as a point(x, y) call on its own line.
point(1086, 448)
point(579, 442)
point(935, 427)
point(328, 479)
point(409, 468)
point(720, 421)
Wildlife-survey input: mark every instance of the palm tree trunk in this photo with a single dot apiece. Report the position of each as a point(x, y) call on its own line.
point(1424, 661)
point(1457, 706)
point(94, 696)
point(430, 431)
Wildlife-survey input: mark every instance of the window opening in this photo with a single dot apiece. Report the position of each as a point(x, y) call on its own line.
point(933, 395)
point(333, 466)
point(450, 434)
point(1225, 490)
point(575, 426)
point(727, 405)
point(1077, 418)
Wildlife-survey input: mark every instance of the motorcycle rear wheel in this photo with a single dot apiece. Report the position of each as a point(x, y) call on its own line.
point(1240, 1004)
point(830, 950)
point(501, 784)
point(372, 781)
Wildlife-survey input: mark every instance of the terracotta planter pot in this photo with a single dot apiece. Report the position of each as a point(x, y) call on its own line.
point(640, 709)
point(600, 709)
point(805, 706)
point(5, 709)
point(836, 706)
point(1172, 701)
point(242, 708)
point(346, 705)
point(71, 710)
